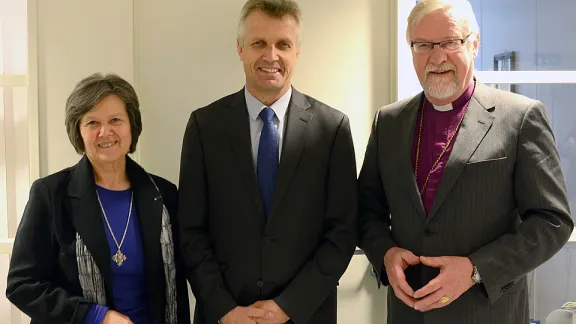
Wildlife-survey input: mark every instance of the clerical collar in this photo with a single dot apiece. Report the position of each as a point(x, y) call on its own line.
point(446, 107)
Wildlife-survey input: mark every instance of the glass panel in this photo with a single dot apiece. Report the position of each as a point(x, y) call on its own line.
point(554, 282)
point(538, 33)
point(13, 37)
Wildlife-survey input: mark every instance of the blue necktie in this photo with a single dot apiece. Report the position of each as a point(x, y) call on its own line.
point(267, 163)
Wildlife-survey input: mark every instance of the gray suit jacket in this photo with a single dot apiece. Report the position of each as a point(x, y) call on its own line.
point(501, 202)
point(233, 253)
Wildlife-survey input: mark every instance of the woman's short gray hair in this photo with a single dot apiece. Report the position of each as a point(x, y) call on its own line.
point(88, 92)
point(461, 10)
point(273, 8)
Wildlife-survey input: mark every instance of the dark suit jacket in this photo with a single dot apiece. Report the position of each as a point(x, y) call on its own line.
point(235, 256)
point(501, 202)
point(43, 278)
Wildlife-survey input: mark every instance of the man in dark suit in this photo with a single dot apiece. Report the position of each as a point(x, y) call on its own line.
point(461, 192)
point(268, 188)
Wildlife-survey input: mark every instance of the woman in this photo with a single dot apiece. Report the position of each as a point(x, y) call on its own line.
point(97, 242)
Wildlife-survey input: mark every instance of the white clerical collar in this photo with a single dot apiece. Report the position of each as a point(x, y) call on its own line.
point(446, 107)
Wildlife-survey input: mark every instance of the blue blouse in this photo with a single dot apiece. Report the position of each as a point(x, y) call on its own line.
point(128, 280)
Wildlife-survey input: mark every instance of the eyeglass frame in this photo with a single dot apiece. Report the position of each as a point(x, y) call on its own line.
point(461, 40)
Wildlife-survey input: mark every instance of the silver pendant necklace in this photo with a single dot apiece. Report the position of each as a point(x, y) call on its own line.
point(118, 257)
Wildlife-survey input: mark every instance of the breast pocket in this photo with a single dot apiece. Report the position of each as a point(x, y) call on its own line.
point(486, 160)
point(495, 164)
point(493, 174)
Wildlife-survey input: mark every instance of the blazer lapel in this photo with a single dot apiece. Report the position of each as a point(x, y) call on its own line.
point(476, 123)
point(86, 215)
point(238, 127)
point(405, 169)
point(294, 139)
point(148, 203)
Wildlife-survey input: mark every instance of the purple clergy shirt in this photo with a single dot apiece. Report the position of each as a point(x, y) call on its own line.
point(437, 128)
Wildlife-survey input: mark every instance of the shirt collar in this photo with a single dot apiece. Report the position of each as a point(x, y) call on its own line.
point(279, 107)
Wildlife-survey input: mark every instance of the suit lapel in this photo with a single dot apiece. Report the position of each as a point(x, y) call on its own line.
point(86, 215)
point(238, 126)
point(149, 205)
point(476, 123)
point(405, 169)
point(294, 139)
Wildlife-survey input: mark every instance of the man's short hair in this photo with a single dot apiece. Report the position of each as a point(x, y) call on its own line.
point(273, 8)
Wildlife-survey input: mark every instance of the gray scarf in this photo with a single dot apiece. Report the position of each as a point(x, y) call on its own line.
point(91, 278)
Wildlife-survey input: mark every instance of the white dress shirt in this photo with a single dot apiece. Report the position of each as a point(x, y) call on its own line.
point(280, 107)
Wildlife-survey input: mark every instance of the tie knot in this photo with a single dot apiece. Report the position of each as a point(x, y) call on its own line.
point(267, 114)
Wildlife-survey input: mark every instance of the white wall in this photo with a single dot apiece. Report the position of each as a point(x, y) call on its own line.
point(182, 56)
point(75, 39)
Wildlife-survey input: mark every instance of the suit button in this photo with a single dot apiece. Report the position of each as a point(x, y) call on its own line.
point(260, 283)
point(428, 233)
point(267, 240)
